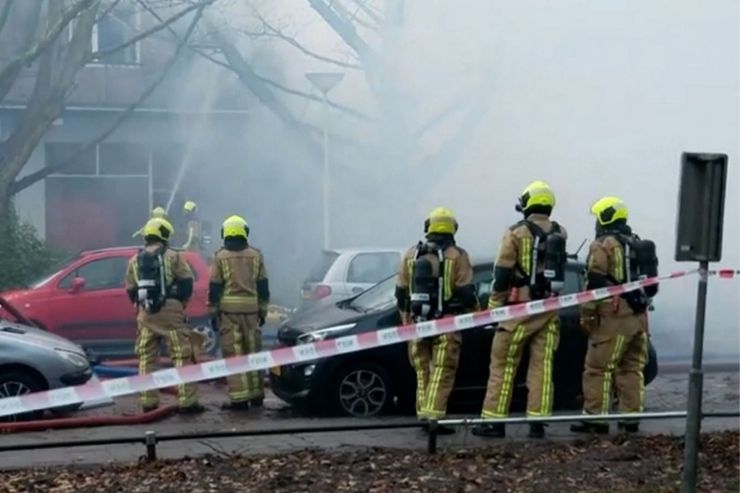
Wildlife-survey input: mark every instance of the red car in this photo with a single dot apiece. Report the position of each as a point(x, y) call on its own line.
point(85, 301)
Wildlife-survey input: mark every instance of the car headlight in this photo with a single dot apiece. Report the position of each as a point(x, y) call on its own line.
point(75, 358)
point(321, 334)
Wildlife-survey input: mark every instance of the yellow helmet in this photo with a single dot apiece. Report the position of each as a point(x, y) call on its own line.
point(159, 228)
point(441, 220)
point(190, 206)
point(235, 226)
point(159, 212)
point(537, 193)
point(609, 210)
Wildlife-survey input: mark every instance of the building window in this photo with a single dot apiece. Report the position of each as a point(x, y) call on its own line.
point(124, 158)
point(60, 152)
point(115, 29)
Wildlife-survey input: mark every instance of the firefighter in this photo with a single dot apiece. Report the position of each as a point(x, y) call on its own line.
point(617, 327)
point(194, 227)
point(159, 212)
point(530, 265)
point(435, 280)
point(160, 283)
point(237, 298)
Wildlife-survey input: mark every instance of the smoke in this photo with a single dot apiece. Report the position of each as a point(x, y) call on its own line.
point(468, 103)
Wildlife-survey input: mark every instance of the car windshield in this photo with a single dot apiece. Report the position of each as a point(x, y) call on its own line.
point(49, 273)
point(379, 296)
point(322, 266)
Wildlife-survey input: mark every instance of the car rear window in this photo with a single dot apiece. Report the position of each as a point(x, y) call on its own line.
point(371, 268)
point(321, 267)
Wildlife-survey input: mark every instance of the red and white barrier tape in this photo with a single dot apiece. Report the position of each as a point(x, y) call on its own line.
point(95, 390)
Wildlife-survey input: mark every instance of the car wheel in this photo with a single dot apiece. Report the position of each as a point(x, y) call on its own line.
point(16, 383)
point(210, 344)
point(362, 390)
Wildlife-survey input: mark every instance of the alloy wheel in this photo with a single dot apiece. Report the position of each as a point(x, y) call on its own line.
point(362, 393)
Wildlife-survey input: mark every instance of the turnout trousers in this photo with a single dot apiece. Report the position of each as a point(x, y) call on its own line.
point(435, 362)
point(168, 326)
point(241, 335)
point(542, 334)
point(617, 353)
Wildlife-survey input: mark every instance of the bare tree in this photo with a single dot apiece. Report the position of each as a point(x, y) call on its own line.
point(368, 30)
point(57, 46)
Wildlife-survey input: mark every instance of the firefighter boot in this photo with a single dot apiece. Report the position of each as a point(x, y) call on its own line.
point(590, 427)
point(191, 409)
point(628, 426)
point(536, 430)
point(235, 406)
point(492, 430)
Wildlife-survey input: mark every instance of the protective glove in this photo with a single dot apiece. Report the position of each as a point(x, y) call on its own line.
point(262, 317)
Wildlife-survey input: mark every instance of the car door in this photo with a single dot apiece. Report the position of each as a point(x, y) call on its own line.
point(472, 371)
point(367, 269)
point(98, 316)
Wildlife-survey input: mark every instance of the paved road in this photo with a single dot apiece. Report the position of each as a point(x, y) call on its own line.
point(667, 393)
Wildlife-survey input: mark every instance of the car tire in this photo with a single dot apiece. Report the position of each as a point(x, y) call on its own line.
point(66, 411)
point(18, 382)
point(361, 390)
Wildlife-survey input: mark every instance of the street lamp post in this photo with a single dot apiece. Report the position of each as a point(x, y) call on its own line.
point(325, 82)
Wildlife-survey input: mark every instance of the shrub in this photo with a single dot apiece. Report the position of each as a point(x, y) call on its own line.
point(24, 257)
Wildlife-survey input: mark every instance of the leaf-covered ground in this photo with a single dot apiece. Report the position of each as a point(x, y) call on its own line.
point(641, 464)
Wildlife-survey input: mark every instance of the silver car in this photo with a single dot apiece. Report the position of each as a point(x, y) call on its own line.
point(32, 359)
point(343, 273)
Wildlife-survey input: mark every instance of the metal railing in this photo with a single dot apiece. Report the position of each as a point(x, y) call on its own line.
point(569, 418)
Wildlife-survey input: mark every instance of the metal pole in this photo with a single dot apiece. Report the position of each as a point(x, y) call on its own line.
point(150, 439)
point(696, 384)
point(326, 183)
point(432, 441)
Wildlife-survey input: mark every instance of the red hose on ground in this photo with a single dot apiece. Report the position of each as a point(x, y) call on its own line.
point(87, 422)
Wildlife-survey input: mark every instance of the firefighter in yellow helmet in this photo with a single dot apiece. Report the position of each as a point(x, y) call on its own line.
point(617, 327)
point(160, 283)
point(530, 265)
point(435, 280)
point(238, 296)
point(157, 212)
point(194, 226)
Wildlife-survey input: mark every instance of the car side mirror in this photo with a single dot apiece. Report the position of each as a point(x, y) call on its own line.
point(78, 284)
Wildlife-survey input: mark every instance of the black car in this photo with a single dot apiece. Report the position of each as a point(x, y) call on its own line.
point(381, 380)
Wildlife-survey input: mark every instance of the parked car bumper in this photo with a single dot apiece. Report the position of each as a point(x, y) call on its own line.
point(293, 383)
point(76, 377)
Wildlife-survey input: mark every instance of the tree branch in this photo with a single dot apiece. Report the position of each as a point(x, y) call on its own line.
point(47, 101)
point(5, 13)
point(32, 178)
point(345, 30)
point(286, 89)
point(49, 37)
point(369, 11)
point(154, 29)
point(272, 31)
point(351, 18)
point(250, 79)
point(455, 106)
point(29, 27)
point(108, 10)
